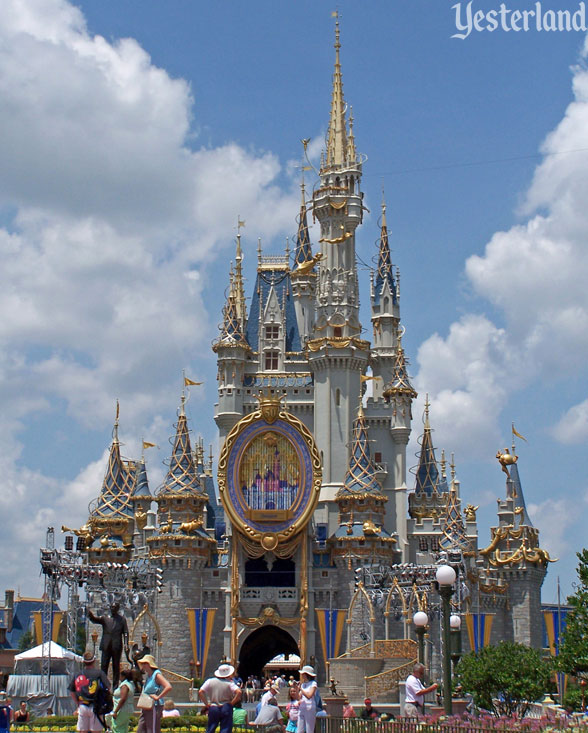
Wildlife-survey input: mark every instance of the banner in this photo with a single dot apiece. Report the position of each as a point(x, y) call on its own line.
point(555, 624)
point(479, 626)
point(38, 625)
point(331, 624)
point(200, 621)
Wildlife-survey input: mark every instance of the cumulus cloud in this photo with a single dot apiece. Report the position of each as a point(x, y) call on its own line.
point(535, 275)
point(553, 518)
point(573, 426)
point(111, 220)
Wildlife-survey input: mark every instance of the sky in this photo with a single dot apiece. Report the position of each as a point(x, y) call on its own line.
point(133, 135)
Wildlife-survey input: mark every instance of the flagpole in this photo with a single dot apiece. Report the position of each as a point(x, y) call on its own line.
point(560, 677)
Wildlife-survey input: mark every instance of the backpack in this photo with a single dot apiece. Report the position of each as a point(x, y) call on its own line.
point(86, 688)
point(103, 702)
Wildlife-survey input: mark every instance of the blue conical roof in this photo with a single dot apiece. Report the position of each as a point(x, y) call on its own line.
point(182, 477)
point(384, 273)
point(142, 485)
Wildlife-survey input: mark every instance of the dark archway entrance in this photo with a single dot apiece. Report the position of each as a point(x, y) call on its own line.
point(261, 646)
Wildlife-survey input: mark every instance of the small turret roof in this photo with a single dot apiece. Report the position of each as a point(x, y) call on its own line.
point(142, 485)
point(384, 273)
point(427, 473)
point(361, 473)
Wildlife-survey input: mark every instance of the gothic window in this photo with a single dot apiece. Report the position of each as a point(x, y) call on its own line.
point(423, 544)
point(378, 457)
point(337, 331)
point(283, 573)
point(434, 544)
point(272, 332)
point(256, 573)
point(271, 361)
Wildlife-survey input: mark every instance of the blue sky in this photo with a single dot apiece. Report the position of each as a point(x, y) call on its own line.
point(133, 133)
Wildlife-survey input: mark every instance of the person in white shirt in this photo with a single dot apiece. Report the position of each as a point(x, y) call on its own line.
point(307, 710)
point(269, 694)
point(415, 692)
point(219, 693)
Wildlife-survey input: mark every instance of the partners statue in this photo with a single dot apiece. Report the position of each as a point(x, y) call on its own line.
point(114, 631)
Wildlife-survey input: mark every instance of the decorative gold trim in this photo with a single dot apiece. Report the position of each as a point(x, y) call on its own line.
point(237, 521)
point(145, 612)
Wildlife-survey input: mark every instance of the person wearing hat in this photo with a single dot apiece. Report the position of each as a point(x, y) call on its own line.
point(269, 694)
point(307, 711)
point(219, 694)
point(84, 688)
point(368, 712)
point(157, 687)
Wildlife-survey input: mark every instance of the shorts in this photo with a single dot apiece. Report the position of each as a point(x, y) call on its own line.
point(87, 720)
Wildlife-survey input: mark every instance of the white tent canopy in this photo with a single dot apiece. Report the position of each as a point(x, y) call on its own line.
point(53, 650)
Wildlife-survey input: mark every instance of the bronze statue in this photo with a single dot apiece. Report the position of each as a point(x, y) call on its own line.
point(114, 632)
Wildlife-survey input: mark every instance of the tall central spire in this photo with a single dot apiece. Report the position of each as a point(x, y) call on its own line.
point(337, 136)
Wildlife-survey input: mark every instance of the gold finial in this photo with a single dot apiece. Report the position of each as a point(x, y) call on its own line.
point(443, 462)
point(115, 431)
point(287, 248)
point(427, 405)
point(259, 251)
point(269, 404)
point(452, 466)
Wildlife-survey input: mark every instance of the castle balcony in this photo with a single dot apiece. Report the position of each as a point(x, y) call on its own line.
point(253, 599)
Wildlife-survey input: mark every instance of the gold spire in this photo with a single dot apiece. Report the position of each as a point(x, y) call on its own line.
point(337, 135)
point(239, 291)
point(351, 152)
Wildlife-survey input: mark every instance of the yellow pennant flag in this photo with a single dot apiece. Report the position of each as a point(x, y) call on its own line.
point(365, 378)
point(514, 432)
point(191, 382)
point(146, 445)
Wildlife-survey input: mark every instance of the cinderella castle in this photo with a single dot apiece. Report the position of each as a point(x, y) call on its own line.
point(310, 540)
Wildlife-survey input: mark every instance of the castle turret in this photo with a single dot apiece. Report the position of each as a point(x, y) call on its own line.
point(303, 276)
point(384, 298)
point(337, 354)
point(232, 352)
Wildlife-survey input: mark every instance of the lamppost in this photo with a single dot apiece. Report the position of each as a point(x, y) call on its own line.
point(420, 621)
point(446, 576)
point(455, 648)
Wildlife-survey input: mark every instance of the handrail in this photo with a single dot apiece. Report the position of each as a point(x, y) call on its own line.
point(176, 675)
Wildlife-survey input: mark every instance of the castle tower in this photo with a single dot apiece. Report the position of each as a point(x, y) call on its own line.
point(111, 519)
point(384, 298)
point(516, 558)
point(427, 504)
point(337, 354)
point(181, 546)
point(141, 499)
point(232, 351)
point(303, 276)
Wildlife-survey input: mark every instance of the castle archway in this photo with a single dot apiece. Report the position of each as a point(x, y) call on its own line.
point(262, 645)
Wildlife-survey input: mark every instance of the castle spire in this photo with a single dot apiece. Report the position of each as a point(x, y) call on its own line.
point(303, 251)
point(400, 382)
point(239, 292)
point(182, 476)
point(361, 473)
point(427, 474)
point(385, 271)
point(337, 134)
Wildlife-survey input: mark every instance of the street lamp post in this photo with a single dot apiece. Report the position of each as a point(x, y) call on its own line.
point(420, 621)
point(455, 625)
point(446, 578)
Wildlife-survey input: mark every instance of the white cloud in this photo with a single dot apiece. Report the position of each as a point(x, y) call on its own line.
point(553, 518)
point(118, 219)
point(573, 426)
point(535, 274)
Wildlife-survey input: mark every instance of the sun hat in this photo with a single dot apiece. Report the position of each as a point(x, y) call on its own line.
point(148, 659)
point(275, 688)
point(89, 657)
point(225, 670)
point(307, 669)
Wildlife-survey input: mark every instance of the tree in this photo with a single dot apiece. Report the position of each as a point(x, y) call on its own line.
point(504, 679)
point(26, 641)
point(573, 651)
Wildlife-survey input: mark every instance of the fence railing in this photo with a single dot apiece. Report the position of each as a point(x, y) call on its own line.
point(411, 725)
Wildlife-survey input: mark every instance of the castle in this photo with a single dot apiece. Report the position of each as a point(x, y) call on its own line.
point(319, 547)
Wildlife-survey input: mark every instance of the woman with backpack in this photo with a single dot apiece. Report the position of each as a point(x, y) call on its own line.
point(155, 687)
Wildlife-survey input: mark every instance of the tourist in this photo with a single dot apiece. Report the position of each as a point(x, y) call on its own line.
point(270, 717)
point(220, 694)
point(5, 713)
point(156, 687)
point(239, 715)
point(415, 692)
point(293, 708)
point(349, 710)
point(308, 689)
point(123, 703)
point(170, 710)
point(22, 715)
point(84, 689)
point(368, 712)
point(269, 694)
